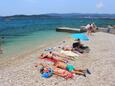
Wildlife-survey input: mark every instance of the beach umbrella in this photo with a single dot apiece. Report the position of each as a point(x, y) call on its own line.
point(81, 36)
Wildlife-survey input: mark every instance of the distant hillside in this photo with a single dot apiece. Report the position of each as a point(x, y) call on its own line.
point(28, 16)
point(55, 15)
point(79, 15)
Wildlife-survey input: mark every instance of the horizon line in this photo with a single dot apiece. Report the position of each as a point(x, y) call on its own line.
point(56, 13)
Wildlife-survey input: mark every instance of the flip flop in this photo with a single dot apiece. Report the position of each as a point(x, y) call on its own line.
point(88, 71)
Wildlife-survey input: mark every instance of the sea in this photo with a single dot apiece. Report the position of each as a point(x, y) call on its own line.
point(18, 35)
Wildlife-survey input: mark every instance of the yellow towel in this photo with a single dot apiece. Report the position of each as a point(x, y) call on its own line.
point(69, 53)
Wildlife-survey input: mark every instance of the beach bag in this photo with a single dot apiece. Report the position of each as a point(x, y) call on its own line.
point(48, 74)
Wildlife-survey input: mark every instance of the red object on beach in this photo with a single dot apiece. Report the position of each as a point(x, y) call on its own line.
point(51, 59)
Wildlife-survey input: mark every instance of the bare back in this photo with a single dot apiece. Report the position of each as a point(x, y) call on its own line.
point(60, 65)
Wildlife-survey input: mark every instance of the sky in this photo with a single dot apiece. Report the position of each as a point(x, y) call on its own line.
point(30, 7)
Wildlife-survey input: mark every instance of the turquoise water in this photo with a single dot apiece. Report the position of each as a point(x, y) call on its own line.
point(21, 35)
point(21, 45)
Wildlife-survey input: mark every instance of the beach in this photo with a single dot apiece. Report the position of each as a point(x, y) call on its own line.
point(100, 61)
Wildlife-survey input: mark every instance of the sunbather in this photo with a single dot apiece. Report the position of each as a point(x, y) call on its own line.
point(67, 55)
point(70, 54)
point(48, 71)
point(71, 68)
point(70, 48)
point(54, 53)
point(67, 48)
point(54, 58)
point(78, 46)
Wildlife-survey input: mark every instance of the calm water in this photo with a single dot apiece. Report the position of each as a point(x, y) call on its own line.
point(20, 35)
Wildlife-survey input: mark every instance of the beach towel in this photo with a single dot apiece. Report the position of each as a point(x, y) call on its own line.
point(81, 36)
point(51, 59)
point(69, 53)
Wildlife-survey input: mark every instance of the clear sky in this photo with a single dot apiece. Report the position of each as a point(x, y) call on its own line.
point(13, 7)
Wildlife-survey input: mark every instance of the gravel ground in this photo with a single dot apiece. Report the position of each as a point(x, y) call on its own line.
point(100, 61)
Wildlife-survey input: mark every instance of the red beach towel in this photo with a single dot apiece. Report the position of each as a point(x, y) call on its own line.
point(51, 59)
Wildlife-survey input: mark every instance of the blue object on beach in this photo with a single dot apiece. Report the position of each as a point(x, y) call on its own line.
point(48, 74)
point(49, 49)
point(81, 36)
point(45, 75)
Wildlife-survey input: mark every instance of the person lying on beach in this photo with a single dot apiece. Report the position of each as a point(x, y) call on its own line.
point(67, 48)
point(65, 54)
point(70, 48)
point(70, 54)
point(50, 56)
point(73, 49)
point(47, 71)
point(71, 68)
point(78, 46)
point(54, 53)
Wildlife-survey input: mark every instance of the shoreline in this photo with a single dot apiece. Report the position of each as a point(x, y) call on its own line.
point(29, 54)
point(15, 59)
point(100, 60)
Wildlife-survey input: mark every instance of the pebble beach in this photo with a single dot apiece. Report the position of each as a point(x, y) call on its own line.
point(100, 61)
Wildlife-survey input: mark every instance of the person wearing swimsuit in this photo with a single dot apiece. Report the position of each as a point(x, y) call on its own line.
point(57, 71)
point(71, 68)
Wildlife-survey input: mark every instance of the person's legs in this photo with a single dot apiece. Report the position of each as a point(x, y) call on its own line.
point(79, 72)
point(61, 72)
point(83, 47)
point(82, 72)
point(80, 50)
point(88, 32)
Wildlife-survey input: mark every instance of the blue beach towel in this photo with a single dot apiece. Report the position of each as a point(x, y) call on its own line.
point(81, 36)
